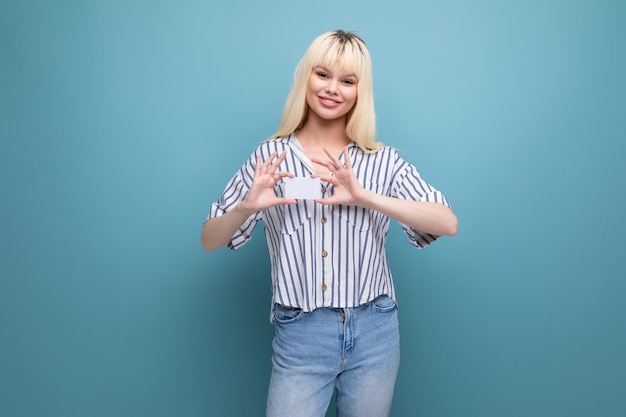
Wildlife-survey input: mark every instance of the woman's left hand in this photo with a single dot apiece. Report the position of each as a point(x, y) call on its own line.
point(428, 217)
point(347, 189)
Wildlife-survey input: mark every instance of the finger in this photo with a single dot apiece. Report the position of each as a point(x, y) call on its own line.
point(346, 158)
point(333, 159)
point(327, 164)
point(259, 165)
point(278, 161)
point(268, 161)
point(283, 174)
point(325, 178)
point(287, 201)
point(281, 157)
point(324, 201)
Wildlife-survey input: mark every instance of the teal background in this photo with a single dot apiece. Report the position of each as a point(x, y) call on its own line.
point(121, 121)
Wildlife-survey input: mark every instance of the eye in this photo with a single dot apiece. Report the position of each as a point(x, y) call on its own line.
point(349, 82)
point(322, 74)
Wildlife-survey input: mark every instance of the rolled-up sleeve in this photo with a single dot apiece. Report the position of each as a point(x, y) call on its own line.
point(235, 191)
point(409, 185)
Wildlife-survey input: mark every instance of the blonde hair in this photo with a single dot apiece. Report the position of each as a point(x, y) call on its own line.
point(351, 53)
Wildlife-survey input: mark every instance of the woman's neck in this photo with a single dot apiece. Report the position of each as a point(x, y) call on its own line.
point(324, 133)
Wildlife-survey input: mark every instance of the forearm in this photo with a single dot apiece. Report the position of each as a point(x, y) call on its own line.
point(218, 231)
point(429, 217)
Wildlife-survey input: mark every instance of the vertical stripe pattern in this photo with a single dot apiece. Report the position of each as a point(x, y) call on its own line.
point(329, 256)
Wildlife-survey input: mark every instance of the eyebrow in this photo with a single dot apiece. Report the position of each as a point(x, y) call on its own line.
point(327, 70)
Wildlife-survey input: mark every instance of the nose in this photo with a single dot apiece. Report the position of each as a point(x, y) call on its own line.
point(331, 87)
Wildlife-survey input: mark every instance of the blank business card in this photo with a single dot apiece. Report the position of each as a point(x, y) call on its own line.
point(303, 188)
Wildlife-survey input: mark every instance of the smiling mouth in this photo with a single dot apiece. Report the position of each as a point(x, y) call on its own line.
point(329, 101)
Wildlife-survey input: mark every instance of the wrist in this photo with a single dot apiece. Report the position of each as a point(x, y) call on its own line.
point(243, 208)
point(367, 199)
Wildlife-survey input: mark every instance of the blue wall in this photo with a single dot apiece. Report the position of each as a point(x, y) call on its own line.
point(121, 121)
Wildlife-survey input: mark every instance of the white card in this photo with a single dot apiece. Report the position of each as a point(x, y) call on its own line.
point(303, 188)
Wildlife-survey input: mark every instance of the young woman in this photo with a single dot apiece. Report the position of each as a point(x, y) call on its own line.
point(334, 304)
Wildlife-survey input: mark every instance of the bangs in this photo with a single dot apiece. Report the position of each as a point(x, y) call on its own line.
point(348, 50)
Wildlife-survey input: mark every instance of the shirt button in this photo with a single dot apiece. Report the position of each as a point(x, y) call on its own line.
point(324, 220)
point(323, 190)
point(324, 287)
point(324, 253)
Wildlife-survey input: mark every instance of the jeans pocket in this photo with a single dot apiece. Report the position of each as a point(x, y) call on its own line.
point(383, 304)
point(284, 314)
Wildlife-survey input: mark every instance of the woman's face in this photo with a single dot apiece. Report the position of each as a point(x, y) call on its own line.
point(331, 92)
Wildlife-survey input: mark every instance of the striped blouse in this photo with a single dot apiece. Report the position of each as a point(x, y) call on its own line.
point(333, 255)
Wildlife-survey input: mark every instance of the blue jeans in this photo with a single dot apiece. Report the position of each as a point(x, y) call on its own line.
point(355, 350)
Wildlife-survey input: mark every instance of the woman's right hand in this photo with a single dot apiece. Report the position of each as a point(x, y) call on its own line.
point(266, 175)
point(218, 231)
